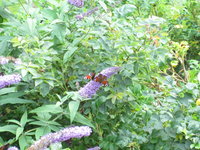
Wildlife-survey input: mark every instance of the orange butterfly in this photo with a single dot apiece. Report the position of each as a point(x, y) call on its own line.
point(101, 79)
point(91, 76)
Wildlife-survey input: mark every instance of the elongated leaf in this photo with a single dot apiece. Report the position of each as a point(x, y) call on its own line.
point(103, 5)
point(24, 119)
point(24, 141)
point(19, 132)
point(48, 108)
point(69, 53)
point(73, 107)
point(7, 90)
point(15, 101)
point(9, 128)
point(80, 118)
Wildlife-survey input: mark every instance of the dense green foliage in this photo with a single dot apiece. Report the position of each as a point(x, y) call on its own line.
point(149, 105)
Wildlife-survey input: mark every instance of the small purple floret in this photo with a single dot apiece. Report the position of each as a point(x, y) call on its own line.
point(62, 135)
point(9, 80)
point(13, 148)
point(94, 148)
point(91, 88)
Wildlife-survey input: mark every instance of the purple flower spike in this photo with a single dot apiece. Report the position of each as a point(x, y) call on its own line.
point(62, 135)
point(94, 148)
point(77, 3)
point(13, 148)
point(110, 71)
point(90, 12)
point(9, 79)
point(91, 88)
point(3, 60)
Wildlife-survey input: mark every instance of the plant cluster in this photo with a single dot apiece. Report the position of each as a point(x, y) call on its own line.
point(147, 51)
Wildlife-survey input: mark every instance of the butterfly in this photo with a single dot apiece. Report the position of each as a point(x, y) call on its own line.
point(101, 79)
point(77, 3)
point(4, 147)
point(91, 76)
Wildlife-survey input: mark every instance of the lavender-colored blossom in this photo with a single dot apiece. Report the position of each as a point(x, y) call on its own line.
point(81, 16)
point(108, 72)
point(6, 80)
point(62, 135)
point(94, 148)
point(13, 148)
point(77, 3)
point(3, 60)
point(91, 88)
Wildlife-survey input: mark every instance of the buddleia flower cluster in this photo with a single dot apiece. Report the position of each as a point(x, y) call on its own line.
point(60, 136)
point(81, 16)
point(7, 80)
point(91, 87)
point(77, 3)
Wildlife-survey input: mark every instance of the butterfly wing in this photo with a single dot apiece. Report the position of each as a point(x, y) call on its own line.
point(87, 77)
point(105, 83)
point(91, 76)
point(102, 79)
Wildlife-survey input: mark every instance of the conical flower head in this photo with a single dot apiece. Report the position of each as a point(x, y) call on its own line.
point(9, 80)
point(60, 136)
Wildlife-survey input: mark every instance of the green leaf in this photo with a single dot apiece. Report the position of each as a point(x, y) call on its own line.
point(9, 128)
point(48, 108)
point(19, 131)
point(73, 108)
point(44, 89)
point(59, 30)
point(14, 121)
point(24, 119)
point(69, 53)
point(15, 101)
point(4, 44)
point(24, 72)
point(103, 5)
point(41, 131)
point(7, 90)
point(34, 72)
point(49, 14)
point(126, 9)
point(81, 119)
point(24, 141)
